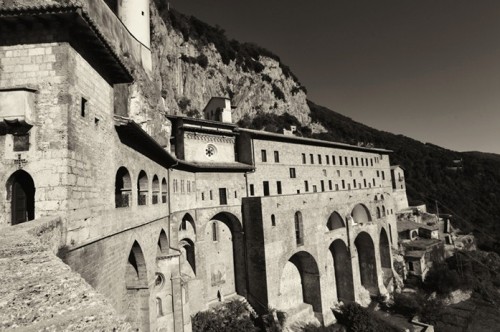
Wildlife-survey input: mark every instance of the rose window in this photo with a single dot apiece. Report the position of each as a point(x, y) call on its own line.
point(210, 150)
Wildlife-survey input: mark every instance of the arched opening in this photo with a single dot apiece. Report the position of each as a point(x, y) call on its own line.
point(385, 257)
point(187, 226)
point(137, 291)
point(335, 221)
point(156, 190)
point(299, 228)
point(142, 189)
point(361, 214)
point(299, 282)
point(164, 190)
point(22, 189)
point(367, 263)
point(273, 220)
point(123, 188)
point(227, 268)
point(379, 215)
point(159, 307)
point(188, 256)
point(343, 271)
point(162, 249)
point(383, 211)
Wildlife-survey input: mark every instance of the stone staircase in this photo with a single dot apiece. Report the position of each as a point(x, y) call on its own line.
point(300, 316)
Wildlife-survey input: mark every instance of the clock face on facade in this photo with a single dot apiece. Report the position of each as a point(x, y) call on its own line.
point(210, 150)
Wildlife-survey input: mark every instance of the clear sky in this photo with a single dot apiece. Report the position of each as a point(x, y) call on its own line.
point(428, 69)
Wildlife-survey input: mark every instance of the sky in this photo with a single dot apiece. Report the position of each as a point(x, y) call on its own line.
point(427, 69)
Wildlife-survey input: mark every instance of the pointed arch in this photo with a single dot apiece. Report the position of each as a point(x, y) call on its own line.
point(137, 292)
point(187, 224)
point(155, 186)
point(343, 271)
point(379, 214)
point(361, 214)
point(188, 252)
point(21, 192)
point(163, 247)
point(299, 282)
point(383, 211)
point(164, 191)
point(385, 256)
point(299, 228)
point(367, 263)
point(335, 221)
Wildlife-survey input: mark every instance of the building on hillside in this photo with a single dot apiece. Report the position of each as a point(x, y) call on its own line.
point(166, 224)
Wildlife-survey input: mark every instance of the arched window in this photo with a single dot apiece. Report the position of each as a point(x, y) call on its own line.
point(123, 188)
point(156, 190)
point(379, 215)
point(382, 197)
point(335, 222)
point(22, 190)
point(164, 190)
point(273, 220)
point(159, 307)
point(142, 189)
point(361, 214)
point(383, 211)
point(299, 230)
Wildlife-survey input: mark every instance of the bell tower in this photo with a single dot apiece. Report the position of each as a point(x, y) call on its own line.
point(135, 15)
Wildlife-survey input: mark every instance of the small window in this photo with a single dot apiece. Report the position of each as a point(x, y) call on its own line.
point(304, 158)
point(343, 184)
point(361, 173)
point(322, 185)
point(211, 195)
point(330, 185)
point(352, 161)
point(371, 162)
point(21, 142)
point(319, 159)
point(273, 220)
point(263, 156)
point(215, 235)
point(327, 159)
point(346, 161)
point(276, 156)
point(362, 161)
point(265, 184)
point(333, 160)
point(292, 173)
point(383, 175)
point(354, 183)
point(357, 161)
point(350, 173)
point(340, 161)
point(311, 157)
point(338, 173)
point(364, 182)
point(378, 174)
point(222, 196)
point(96, 121)
point(348, 186)
point(373, 181)
point(202, 196)
point(324, 172)
point(306, 186)
point(235, 194)
point(336, 187)
point(278, 187)
point(252, 190)
point(315, 188)
point(83, 107)
point(299, 230)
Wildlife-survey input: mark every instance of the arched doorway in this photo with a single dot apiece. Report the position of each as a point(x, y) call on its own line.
point(137, 292)
point(299, 282)
point(343, 271)
point(188, 258)
point(227, 257)
point(367, 263)
point(385, 257)
point(22, 190)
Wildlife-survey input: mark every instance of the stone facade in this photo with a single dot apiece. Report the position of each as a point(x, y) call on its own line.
point(286, 222)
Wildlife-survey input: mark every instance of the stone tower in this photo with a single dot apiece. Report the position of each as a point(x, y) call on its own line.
point(135, 15)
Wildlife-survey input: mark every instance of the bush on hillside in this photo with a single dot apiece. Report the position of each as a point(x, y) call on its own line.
point(229, 317)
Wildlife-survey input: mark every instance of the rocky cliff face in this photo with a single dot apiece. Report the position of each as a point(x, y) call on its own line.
point(193, 70)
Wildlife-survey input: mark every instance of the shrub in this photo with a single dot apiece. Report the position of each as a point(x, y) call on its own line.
point(441, 279)
point(229, 317)
point(266, 78)
point(278, 93)
point(358, 319)
point(184, 103)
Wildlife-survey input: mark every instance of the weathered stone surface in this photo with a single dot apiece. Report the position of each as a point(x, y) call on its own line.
point(40, 293)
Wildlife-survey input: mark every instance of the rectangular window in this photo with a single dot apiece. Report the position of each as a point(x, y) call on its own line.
point(322, 185)
point(304, 158)
point(336, 187)
point(306, 186)
point(357, 161)
point(235, 194)
point(292, 173)
point(252, 191)
point(263, 156)
point(276, 156)
point(374, 182)
point(350, 173)
point(333, 160)
point(330, 185)
point(278, 187)
point(202, 196)
point(371, 162)
point(354, 183)
point(383, 175)
point(222, 196)
point(343, 184)
point(21, 142)
point(265, 184)
point(352, 161)
point(319, 159)
point(364, 182)
point(315, 188)
point(327, 159)
point(83, 107)
point(211, 195)
point(348, 186)
point(214, 232)
point(340, 161)
point(338, 173)
point(346, 161)
point(182, 186)
point(378, 174)
point(362, 161)
point(311, 157)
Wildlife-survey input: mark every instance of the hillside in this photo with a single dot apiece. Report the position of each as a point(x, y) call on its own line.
point(197, 61)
